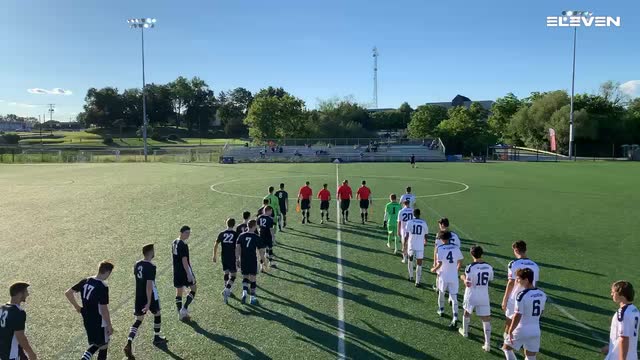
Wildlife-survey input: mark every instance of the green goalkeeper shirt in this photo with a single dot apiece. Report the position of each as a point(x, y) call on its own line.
point(274, 202)
point(391, 211)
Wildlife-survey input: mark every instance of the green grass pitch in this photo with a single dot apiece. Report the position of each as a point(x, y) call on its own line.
point(58, 221)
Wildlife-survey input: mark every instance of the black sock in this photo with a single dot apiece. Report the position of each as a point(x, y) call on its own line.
point(346, 213)
point(226, 277)
point(362, 216)
point(230, 282)
point(134, 330)
point(102, 354)
point(245, 284)
point(89, 352)
point(179, 302)
point(190, 297)
point(366, 216)
point(156, 325)
point(253, 288)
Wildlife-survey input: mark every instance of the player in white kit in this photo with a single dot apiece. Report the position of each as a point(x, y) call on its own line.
point(524, 331)
point(404, 215)
point(512, 288)
point(449, 260)
point(476, 278)
point(408, 196)
point(623, 336)
point(443, 225)
point(415, 231)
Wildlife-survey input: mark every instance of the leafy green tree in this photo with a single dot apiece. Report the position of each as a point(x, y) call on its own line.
point(502, 113)
point(273, 116)
point(424, 121)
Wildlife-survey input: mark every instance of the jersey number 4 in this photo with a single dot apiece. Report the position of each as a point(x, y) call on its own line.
point(450, 257)
point(4, 314)
point(86, 291)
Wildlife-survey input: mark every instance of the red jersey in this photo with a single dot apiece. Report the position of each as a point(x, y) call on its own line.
point(324, 195)
point(344, 192)
point(364, 193)
point(305, 192)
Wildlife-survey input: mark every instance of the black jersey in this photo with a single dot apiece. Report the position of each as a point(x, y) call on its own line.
point(93, 292)
point(12, 319)
point(282, 196)
point(144, 271)
point(228, 239)
point(265, 224)
point(248, 242)
point(241, 228)
point(180, 249)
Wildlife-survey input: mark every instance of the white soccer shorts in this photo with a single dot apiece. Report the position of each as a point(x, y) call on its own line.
point(418, 254)
point(448, 286)
point(481, 310)
point(511, 309)
point(529, 343)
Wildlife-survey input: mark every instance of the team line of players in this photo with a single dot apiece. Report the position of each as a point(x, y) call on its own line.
point(248, 247)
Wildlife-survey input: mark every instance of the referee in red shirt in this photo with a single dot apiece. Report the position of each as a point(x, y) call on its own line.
point(344, 198)
point(325, 196)
point(364, 195)
point(304, 199)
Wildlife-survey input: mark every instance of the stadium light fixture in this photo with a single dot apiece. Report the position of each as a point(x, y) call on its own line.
point(143, 23)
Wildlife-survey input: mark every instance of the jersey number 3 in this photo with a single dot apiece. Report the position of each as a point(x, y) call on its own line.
point(4, 314)
point(139, 273)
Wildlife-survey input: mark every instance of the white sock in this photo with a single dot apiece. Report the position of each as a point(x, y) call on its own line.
point(509, 355)
point(410, 268)
point(465, 323)
point(454, 305)
point(530, 357)
point(418, 274)
point(441, 300)
point(486, 326)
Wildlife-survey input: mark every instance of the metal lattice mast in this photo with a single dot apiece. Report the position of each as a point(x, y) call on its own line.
point(375, 77)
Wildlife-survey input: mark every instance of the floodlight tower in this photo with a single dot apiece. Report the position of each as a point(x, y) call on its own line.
point(375, 77)
point(143, 23)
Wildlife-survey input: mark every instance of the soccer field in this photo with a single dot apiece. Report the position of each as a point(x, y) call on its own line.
point(580, 221)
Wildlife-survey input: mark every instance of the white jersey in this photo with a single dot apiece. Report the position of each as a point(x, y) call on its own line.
point(455, 240)
point(530, 305)
point(417, 229)
point(478, 274)
point(624, 324)
point(404, 215)
point(449, 255)
point(517, 264)
point(410, 197)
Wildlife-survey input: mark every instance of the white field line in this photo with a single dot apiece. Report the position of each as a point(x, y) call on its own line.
point(341, 349)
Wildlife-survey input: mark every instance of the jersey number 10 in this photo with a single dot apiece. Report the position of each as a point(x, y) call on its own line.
point(417, 230)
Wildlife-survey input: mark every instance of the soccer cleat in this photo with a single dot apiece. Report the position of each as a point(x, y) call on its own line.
point(395, 252)
point(303, 220)
point(159, 340)
point(274, 266)
point(486, 347)
point(461, 332)
point(389, 245)
point(309, 221)
point(128, 353)
point(440, 312)
point(184, 315)
point(418, 285)
point(410, 278)
point(328, 219)
point(454, 323)
point(404, 260)
point(254, 300)
point(434, 287)
point(244, 297)
point(321, 221)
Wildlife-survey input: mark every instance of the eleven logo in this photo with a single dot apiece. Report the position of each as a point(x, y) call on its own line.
point(582, 18)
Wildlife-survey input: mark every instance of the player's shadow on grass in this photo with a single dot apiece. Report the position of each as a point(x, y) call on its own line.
point(569, 330)
point(334, 242)
point(346, 263)
point(241, 349)
point(544, 266)
point(573, 304)
point(165, 349)
point(360, 343)
point(548, 286)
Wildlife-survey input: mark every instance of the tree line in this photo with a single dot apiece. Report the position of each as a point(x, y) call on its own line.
point(602, 119)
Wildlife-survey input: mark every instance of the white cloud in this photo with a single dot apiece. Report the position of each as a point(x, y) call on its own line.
point(631, 88)
point(22, 105)
point(54, 91)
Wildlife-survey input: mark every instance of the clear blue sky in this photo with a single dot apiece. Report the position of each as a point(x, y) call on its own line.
point(429, 50)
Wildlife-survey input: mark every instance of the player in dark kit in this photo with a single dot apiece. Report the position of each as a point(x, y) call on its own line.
point(228, 239)
point(247, 245)
point(94, 294)
point(413, 161)
point(267, 235)
point(13, 342)
point(265, 203)
point(283, 202)
point(243, 227)
point(147, 299)
point(183, 273)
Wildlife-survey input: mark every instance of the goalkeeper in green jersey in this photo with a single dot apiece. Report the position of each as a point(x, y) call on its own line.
point(391, 211)
point(275, 204)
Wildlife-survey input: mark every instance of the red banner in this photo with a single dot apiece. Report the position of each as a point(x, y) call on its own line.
point(552, 139)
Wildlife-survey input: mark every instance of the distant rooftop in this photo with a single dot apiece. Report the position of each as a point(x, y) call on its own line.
point(458, 100)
